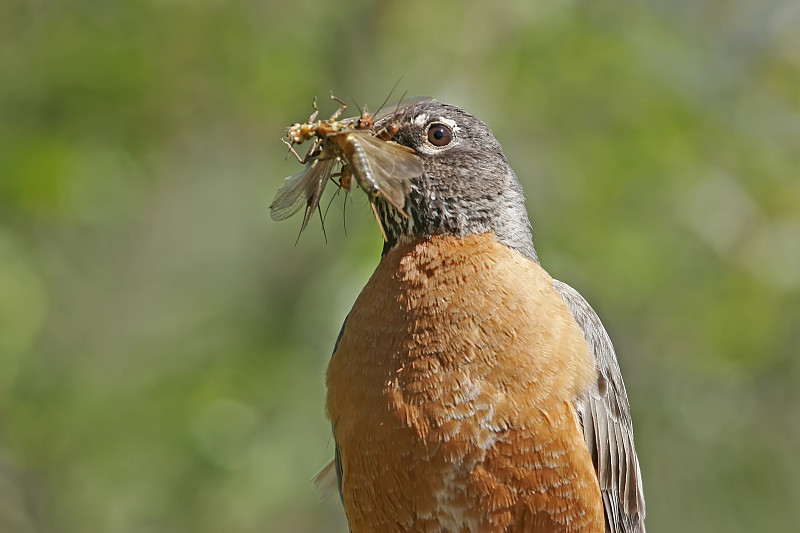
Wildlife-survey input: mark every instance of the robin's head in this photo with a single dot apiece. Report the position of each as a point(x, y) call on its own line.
point(467, 188)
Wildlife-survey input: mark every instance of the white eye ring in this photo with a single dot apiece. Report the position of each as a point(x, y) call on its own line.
point(439, 136)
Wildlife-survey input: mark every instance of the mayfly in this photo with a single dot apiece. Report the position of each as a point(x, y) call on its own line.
point(381, 167)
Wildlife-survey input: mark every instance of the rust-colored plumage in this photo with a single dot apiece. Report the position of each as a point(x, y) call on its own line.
point(451, 394)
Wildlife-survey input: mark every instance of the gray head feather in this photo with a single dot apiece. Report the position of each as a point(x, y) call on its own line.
point(468, 187)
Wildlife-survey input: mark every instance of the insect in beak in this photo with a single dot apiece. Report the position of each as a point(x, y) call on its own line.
point(381, 167)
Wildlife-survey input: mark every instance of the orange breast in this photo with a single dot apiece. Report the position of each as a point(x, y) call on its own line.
point(451, 396)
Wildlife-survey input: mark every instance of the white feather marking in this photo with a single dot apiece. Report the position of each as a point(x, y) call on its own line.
point(452, 124)
point(420, 120)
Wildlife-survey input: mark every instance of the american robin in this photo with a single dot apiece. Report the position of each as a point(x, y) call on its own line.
point(468, 390)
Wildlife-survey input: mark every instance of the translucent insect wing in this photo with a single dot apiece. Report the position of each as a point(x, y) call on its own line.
point(393, 166)
point(302, 189)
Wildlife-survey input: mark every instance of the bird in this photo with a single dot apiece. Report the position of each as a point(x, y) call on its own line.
point(468, 390)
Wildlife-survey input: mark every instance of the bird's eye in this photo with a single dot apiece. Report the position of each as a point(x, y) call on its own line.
point(439, 135)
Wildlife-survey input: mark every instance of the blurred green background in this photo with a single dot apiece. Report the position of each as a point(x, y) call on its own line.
point(163, 343)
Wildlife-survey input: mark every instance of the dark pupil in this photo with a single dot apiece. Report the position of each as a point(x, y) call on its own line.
point(439, 135)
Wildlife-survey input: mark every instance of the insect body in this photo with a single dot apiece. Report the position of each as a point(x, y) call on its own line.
point(381, 167)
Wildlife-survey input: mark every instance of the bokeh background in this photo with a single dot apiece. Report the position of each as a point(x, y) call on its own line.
point(163, 342)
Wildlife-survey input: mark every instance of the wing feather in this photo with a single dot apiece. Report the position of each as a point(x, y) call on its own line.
point(608, 430)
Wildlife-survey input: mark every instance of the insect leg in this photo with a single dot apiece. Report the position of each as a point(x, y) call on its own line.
point(293, 152)
point(313, 116)
point(338, 111)
point(311, 150)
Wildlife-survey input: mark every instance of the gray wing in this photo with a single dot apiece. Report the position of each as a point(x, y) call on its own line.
point(330, 477)
point(337, 458)
point(606, 419)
